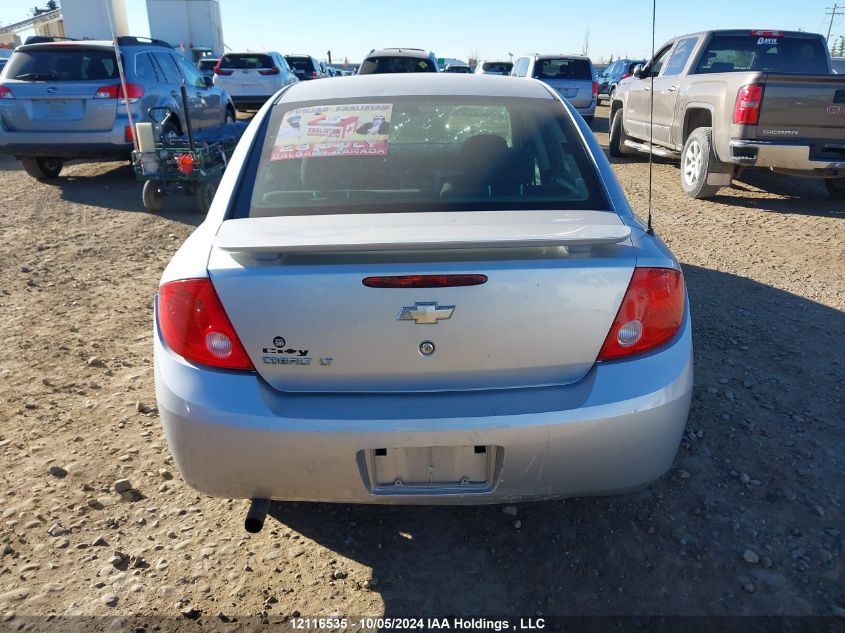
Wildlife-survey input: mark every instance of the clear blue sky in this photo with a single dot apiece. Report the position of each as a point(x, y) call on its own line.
point(491, 28)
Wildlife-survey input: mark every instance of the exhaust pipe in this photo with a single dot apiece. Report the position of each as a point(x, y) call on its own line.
point(255, 516)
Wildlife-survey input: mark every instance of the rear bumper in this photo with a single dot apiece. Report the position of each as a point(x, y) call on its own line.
point(234, 436)
point(108, 145)
point(792, 157)
point(249, 102)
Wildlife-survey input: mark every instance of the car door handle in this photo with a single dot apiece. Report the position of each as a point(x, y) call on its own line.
point(672, 88)
point(647, 88)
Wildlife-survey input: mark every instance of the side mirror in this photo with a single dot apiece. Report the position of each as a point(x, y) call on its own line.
point(209, 82)
point(638, 71)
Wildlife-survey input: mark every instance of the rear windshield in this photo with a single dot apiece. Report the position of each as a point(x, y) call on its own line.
point(420, 154)
point(839, 66)
point(503, 68)
point(563, 68)
point(380, 65)
point(244, 61)
point(62, 64)
point(207, 64)
point(300, 63)
point(733, 53)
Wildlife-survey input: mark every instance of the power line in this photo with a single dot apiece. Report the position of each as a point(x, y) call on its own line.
point(833, 12)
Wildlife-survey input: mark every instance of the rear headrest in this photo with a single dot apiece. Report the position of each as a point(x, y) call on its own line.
point(487, 160)
point(483, 147)
point(329, 172)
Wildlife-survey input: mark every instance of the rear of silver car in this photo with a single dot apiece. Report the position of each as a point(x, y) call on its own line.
point(61, 101)
point(573, 78)
point(391, 354)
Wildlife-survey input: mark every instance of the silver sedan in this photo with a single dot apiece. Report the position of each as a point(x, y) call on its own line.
point(421, 289)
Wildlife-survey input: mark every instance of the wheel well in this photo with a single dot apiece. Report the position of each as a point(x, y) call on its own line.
point(696, 118)
point(616, 105)
point(174, 118)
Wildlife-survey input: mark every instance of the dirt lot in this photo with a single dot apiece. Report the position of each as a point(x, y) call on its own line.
point(748, 521)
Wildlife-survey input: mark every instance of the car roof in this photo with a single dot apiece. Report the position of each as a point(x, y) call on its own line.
point(89, 44)
point(746, 32)
point(416, 84)
point(559, 56)
point(399, 52)
point(249, 53)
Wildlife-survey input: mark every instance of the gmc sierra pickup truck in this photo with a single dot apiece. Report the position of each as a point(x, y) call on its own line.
point(721, 101)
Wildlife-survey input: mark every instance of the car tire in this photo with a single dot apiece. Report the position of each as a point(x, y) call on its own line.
point(42, 168)
point(152, 196)
point(835, 187)
point(203, 196)
point(699, 162)
point(616, 143)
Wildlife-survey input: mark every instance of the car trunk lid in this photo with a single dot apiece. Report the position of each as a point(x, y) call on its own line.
point(293, 289)
point(58, 107)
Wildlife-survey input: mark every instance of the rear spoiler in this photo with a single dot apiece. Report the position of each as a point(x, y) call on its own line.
point(420, 231)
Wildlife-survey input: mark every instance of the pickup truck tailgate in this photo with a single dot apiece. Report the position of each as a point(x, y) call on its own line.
point(803, 107)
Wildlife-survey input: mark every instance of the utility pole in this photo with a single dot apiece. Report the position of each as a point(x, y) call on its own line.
point(833, 12)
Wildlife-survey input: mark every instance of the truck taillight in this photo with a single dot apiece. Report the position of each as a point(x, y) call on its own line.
point(650, 315)
point(626, 75)
point(115, 91)
point(270, 71)
point(6, 93)
point(749, 98)
point(220, 71)
point(314, 75)
point(595, 89)
point(194, 325)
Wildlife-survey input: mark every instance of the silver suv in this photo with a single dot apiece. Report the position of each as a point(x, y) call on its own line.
point(63, 100)
point(571, 76)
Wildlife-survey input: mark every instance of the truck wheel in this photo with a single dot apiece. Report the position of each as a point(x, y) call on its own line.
point(42, 168)
point(702, 173)
point(203, 196)
point(152, 196)
point(616, 145)
point(835, 187)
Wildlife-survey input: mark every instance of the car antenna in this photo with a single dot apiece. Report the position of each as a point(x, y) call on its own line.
point(649, 228)
point(121, 74)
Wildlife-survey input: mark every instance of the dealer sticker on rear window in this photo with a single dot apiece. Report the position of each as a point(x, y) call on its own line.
point(359, 129)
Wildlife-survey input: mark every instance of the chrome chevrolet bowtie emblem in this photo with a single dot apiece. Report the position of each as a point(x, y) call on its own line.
point(425, 313)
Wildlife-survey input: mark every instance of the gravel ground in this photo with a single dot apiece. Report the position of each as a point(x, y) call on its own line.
point(747, 522)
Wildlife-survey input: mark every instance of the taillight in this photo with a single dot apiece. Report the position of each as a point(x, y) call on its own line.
point(595, 89)
point(424, 281)
point(651, 313)
point(194, 325)
point(314, 74)
point(626, 75)
point(270, 71)
point(747, 107)
point(115, 91)
point(6, 93)
point(220, 71)
point(127, 133)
